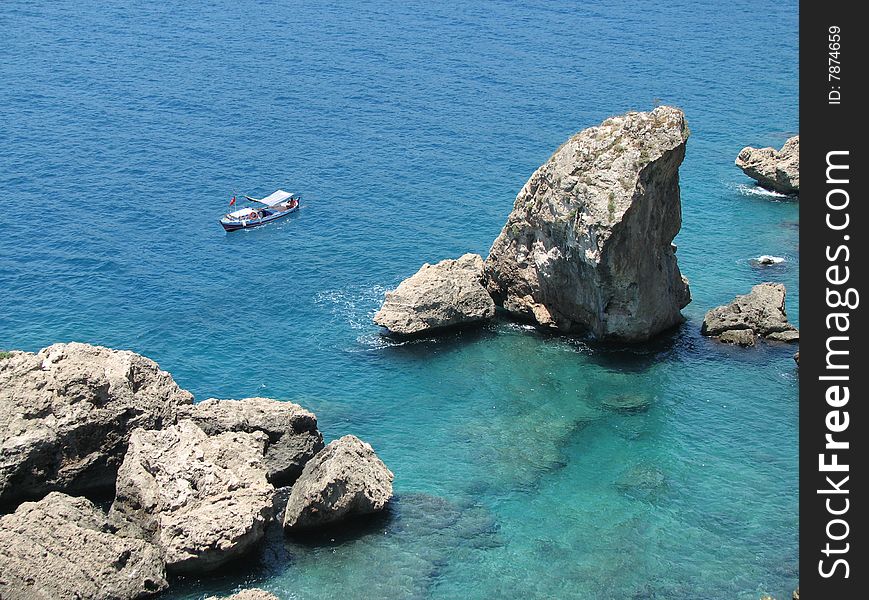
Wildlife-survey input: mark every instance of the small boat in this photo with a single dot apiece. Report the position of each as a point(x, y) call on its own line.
point(275, 206)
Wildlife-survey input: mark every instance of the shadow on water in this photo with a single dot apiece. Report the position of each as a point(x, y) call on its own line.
point(640, 357)
point(619, 356)
point(444, 340)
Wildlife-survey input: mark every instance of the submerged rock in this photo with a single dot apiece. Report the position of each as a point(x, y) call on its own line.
point(413, 539)
point(443, 295)
point(65, 547)
point(344, 479)
point(777, 170)
point(642, 481)
point(250, 594)
point(761, 312)
point(588, 245)
point(66, 414)
point(627, 403)
point(293, 437)
point(204, 500)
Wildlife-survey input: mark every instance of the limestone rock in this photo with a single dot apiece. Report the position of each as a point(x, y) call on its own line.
point(797, 358)
point(204, 500)
point(792, 335)
point(738, 337)
point(777, 170)
point(65, 547)
point(442, 295)
point(293, 437)
point(588, 245)
point(66, 414)
point(249, 594)
point(346, 478)
point(762, 311)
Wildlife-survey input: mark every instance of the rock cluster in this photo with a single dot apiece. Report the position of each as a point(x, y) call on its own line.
point(65, 547)
point(777, 170)
point(67, 412)
point(345, 479)
point(759, 313)
point(588, 246)
point(193, 484)
point(447, 294)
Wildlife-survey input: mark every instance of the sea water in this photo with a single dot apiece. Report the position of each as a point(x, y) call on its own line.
point(408, 128)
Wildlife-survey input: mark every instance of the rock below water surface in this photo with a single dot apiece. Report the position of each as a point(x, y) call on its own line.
point(204, 500)
point(66, 414)
point(346, 478)
point(65, 547)
point(627, 403)
point(447, 294)
point(250, 594)
point(758, 313)
point(588, 246)
point(776, 170)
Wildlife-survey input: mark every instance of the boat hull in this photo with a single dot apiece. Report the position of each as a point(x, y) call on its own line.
point(235, 225)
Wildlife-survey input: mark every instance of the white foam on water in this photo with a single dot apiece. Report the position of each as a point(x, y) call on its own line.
point(756, 190)
point(768, 258)
point(354, 305)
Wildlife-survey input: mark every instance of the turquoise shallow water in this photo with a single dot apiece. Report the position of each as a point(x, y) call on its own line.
point(408, 129)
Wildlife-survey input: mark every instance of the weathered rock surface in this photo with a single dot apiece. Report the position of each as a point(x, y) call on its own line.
point(588, 245)
point(66, 414)
point(293, 437)
point(250, 594)
point(204, 500)
point(346, 478)
point(777, 170)
point(761, 312)
point(738, 337)
point(65, 547)
point(443, 295)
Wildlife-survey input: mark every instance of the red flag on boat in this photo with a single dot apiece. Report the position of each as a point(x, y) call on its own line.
point(231, 202)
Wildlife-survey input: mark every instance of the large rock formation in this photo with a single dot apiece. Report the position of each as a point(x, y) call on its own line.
point(761, 312)
point(588, 246)
point(777, 170)
point(204, 500)
point(293, 437)
point(65, 547)
point(66, 414)
point(346, 478)
point(442, 295)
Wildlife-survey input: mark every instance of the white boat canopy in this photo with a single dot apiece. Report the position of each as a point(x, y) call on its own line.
point(273, 199)
point(241, 213)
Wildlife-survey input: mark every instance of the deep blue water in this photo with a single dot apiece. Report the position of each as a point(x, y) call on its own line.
point(408, 128)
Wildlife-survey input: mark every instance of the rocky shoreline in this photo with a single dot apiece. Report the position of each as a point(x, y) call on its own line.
point(588, 246)
point(586, 249)
point(193, 485)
